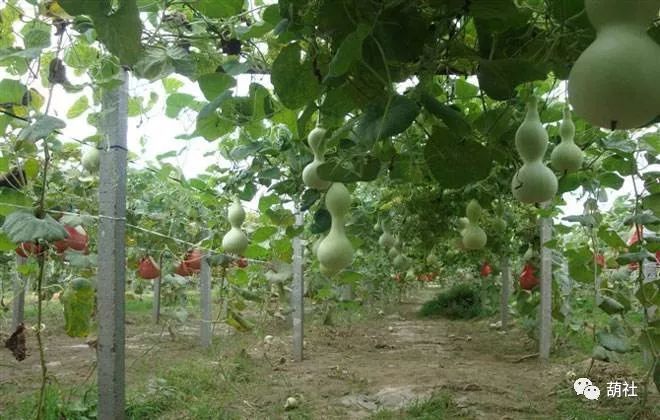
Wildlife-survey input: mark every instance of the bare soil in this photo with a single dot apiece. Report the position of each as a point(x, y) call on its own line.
point(349, 372)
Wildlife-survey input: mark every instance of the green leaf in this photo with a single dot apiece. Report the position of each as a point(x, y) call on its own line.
point(322, 221)
point(11, 91)
point(22, 226)
point(214, 84)
point(5, 243)
point(78, 108)
point(639, 256)
point(118, 28)
point(381, 121)
point(609, 305)
point(360, 168)
point(613, 342)
point(176, 103)
point(294, 80)
point(454, 163)
point(499, 78)
point(36, 34)
point(216, 9)
point(652, 203)
point(611, 238)
point(263, 233)
point(611, 180)
point(42, 127)
point(9, 198)
point(584, 220)
point(349, 51)
point(650, 142)
point(642, 219)
point(452, 118)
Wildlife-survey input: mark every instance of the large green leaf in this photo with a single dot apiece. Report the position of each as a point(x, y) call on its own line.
point(120, 28)
point(216, 9)
point(36, 34)
point(613, 342)
point(652, 202)
point(359, 168)
point(214, 84)
point(385, 120)
point(455, 163)
point(349, 51)
point(22, 226)
point(294, 80)
point(42, 127)
point(499, 78)
point(11, 91)
point(452, 118)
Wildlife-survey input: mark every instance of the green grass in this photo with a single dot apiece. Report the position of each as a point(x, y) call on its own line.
point(462, 301)
point(438, 407)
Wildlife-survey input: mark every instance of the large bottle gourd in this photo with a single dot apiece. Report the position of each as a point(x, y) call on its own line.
point(534, 182)
point(235, 241)
point(473, 235)
point(567, 156)
point(310, 175)
point(614, 82)
point(335, 252)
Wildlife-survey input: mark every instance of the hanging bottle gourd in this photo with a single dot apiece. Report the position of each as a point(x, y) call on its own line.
point(534, 182)
point(310, 175)
point(614, 82)
point(474, 236)
point(386, 240)
point(567, 156)
point(335, 252)
point(235, 241)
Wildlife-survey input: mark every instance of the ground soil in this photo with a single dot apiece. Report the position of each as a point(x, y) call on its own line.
point(349, 371)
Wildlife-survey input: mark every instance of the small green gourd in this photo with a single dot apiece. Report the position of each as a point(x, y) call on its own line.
point(386, 239)
point(392, 253)
point(567, 156)
point(614, 82)
point(431, 259)
point(235, 241)
point(474, 236)
point(91, 160)
point(533, 182)
point(310, 175)
point(335, 251)
point(400, 262)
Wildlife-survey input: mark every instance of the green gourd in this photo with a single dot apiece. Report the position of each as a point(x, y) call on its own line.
point(235, 241)
point(335, 251)
point(400, 262)
point(431, 259)
point(392, 253)
point(473, 235)
point(91, 160)
point(386, 239)
point(614, 82)
point(463, 222)
point(533, 182)
point(567, 156)
point(310, 175)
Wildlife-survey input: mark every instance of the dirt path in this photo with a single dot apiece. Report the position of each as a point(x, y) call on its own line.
point(349, 372)
point(388, 363)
